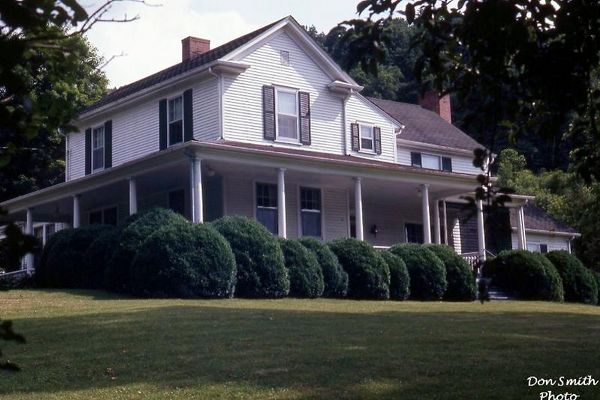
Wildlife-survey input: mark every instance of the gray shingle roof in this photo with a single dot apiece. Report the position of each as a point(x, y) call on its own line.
point(177, 69)
point(424, 126)
point(538, 219)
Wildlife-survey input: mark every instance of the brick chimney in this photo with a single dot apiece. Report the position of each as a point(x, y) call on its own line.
point(193, 46)
point(431, 100)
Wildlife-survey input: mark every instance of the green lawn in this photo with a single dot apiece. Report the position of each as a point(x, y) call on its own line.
point(258, 349)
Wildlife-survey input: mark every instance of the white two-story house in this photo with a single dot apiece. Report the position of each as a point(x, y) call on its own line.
point(268, 126)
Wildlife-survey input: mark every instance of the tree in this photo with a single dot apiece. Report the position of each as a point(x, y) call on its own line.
point(532, 65)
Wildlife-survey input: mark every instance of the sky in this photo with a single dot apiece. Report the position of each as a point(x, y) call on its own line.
point(153, 42)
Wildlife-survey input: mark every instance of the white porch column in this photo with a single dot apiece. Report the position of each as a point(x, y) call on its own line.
point(358, 208)
point(76, 211)
point(132, 196)
point(521, 239)
point(437, 237)
point(445, 216)
point(480, 231)
point(44, 234)
point(281, 212)
point(426, 218)
point(29, 231)
point(196, 190)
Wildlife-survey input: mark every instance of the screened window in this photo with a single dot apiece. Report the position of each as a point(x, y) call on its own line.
point(430, 161)
point(414, 233)
point(287, 115)
point(266, 206)
point(310, 211)
point(175, 120)
point(98, 148)
point(366, 137)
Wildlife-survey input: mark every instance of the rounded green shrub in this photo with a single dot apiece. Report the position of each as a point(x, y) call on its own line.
point(426, 271)
point(306, 277)
point(63, 263)
point(368, 273)
point(578, 281)
point(261, 272)
point(334, 276)
point(399, 278)
point(98, 256)
point(137, 228)
point(461, 282)
point(525, 274)
point(597, 277)
point(184, 261)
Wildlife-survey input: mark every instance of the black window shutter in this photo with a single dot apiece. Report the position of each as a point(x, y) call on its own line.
point(377, 139)
point(162, 118)
point(188, 118)
point(354, 136)
point(108, 144)
point(269, 112)
point(304, 113)
point(447, 164)
point(543, 248)
point(88, 151)
point(415, 159)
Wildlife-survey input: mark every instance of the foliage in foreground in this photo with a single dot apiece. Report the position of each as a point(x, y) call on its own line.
point(578, 282)
point(334, 277)
point(399, 278)
point(461, 281)
point(306, 277)
point(426, 270)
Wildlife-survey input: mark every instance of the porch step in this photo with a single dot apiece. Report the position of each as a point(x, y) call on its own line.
point(497, 294)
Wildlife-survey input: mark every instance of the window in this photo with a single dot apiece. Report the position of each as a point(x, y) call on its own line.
point(284, 57)
point(414, 233)
point(537, 247)
point(106, 216)
point(175, 120)
point(366, 137)
point(177, 201)
point(266, 206)
point(430, 162)
point(310, 212)
point(287, 115)
point(98, 148)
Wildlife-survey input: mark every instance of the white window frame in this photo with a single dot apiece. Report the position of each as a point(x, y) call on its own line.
point(300, 209)
point(360, 137)
point(297, 115)
point(96, 129)
point(256, 206)
point(439, 158)
point(169, 144)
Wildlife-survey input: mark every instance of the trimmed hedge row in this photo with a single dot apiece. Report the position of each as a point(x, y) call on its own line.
point(306, 277)
point(368, 273)
point(335, 279)
point(399, 278)
point(461, 281)
point(579, 282)
point(426, 270)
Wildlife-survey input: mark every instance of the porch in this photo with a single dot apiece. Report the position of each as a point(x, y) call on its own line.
point(294, 193)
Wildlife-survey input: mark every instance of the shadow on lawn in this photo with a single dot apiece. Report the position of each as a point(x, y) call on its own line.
point(321, 354)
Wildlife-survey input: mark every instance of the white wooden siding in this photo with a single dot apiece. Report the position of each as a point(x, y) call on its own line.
point(553, 242)
point(358, 109)
point(135, 130)
point(460, 164)
point(243, 114)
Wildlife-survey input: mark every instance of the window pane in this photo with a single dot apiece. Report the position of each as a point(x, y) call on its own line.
point(414, 233)
point(286, 103)
point(311, 223)
point(175, 132)
point(110, 216)
point(429, 161)
point(366, 144)
point(98, 138)
point(98, 159)
point(96, 218)
point(310, 199)
point(268, 217)
point(266, 195)
point(366, 131)
point(288, 126)
point(533, 247)
point(175, 109)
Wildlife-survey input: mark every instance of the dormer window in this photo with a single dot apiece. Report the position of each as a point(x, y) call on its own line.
point(366, 137)
point(98, 148)
point(431, 161)
point(175, 120)
point(287, 115)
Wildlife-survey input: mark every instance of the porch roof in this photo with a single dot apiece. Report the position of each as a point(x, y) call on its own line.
point(243, 153)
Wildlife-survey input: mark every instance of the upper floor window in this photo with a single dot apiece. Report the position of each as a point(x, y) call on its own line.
point(175, 120)
point(310, 211)
point(266, 206)
point(366, 137)
point(537, 247)
point(287, 115)
point(284, 56)
point(98, 148)
point(431, 161)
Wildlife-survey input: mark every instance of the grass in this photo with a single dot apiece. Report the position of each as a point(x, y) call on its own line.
point(91, 345)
